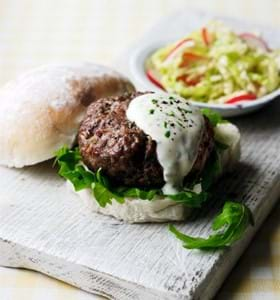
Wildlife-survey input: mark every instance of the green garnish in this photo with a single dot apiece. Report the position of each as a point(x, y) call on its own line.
point(167, 134)
point(180, 124)
point(190, 198)
point(171, 114)
point(234, 219)
point(151, 111)
point(214, 117)
point(211, 170)
point(184, 110)
point(154, 101)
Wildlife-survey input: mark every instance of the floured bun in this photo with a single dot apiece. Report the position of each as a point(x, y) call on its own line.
point(41, 110)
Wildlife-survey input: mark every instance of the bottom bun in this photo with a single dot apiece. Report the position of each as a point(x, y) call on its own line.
point(137, 210)
point(164, 209)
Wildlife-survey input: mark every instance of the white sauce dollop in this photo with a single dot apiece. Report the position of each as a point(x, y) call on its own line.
point(176, 126)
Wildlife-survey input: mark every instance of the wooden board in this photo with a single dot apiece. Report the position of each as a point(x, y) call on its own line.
point(45, 227)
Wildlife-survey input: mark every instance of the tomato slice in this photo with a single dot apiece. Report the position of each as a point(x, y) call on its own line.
point(152, 77)
point(244, 97)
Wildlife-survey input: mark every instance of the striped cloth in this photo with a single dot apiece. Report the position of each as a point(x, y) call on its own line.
point(35, 32)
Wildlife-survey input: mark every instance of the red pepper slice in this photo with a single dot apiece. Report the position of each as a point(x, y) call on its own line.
point(205, 36)
point(244, 97)
point(189, 57)
point(154, 80)
point(181, 43)
point(254, 40)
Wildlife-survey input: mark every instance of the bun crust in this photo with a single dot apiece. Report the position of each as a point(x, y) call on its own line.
point(41, 110)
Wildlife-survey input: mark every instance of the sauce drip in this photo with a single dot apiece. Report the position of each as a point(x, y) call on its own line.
point(176, 126)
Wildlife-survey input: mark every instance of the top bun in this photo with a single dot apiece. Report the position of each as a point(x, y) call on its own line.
point(41, 110)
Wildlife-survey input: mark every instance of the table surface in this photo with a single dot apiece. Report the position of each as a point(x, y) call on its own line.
point(35, 32)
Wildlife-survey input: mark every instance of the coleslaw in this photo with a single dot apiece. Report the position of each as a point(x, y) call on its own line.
point(216, 65)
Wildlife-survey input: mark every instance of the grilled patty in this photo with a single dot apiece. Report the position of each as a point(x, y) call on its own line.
point(108, 140)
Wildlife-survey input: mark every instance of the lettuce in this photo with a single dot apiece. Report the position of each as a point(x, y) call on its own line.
point(190, 198)
point(234, 219)
point(214, 117)
point(211, 171)
point(72, 169)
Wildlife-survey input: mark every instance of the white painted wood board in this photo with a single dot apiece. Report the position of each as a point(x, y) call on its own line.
point(45, 227)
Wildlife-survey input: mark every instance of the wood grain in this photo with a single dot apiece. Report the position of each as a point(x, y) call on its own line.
point(45, 227)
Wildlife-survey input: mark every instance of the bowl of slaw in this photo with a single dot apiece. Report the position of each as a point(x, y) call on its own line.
point(214, 67)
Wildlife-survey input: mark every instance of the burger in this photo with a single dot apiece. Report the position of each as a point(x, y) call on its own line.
point(148, 157)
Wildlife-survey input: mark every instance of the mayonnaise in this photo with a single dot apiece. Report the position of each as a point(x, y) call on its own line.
point(176, 127)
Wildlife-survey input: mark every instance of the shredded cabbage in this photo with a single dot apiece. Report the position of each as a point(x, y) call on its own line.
point(216, 67)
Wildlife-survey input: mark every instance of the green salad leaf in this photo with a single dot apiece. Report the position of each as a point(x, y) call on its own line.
point(234, 219)
point(72, 169)
point(211, 170)
point(138, 193)
point(214, 117)
point(103, 195)
point(102, 190)
point(190, 198)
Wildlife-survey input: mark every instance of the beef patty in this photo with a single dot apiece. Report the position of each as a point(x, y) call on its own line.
point(108, 140)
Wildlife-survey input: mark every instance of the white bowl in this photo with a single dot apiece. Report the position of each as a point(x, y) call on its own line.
point(137, 62)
